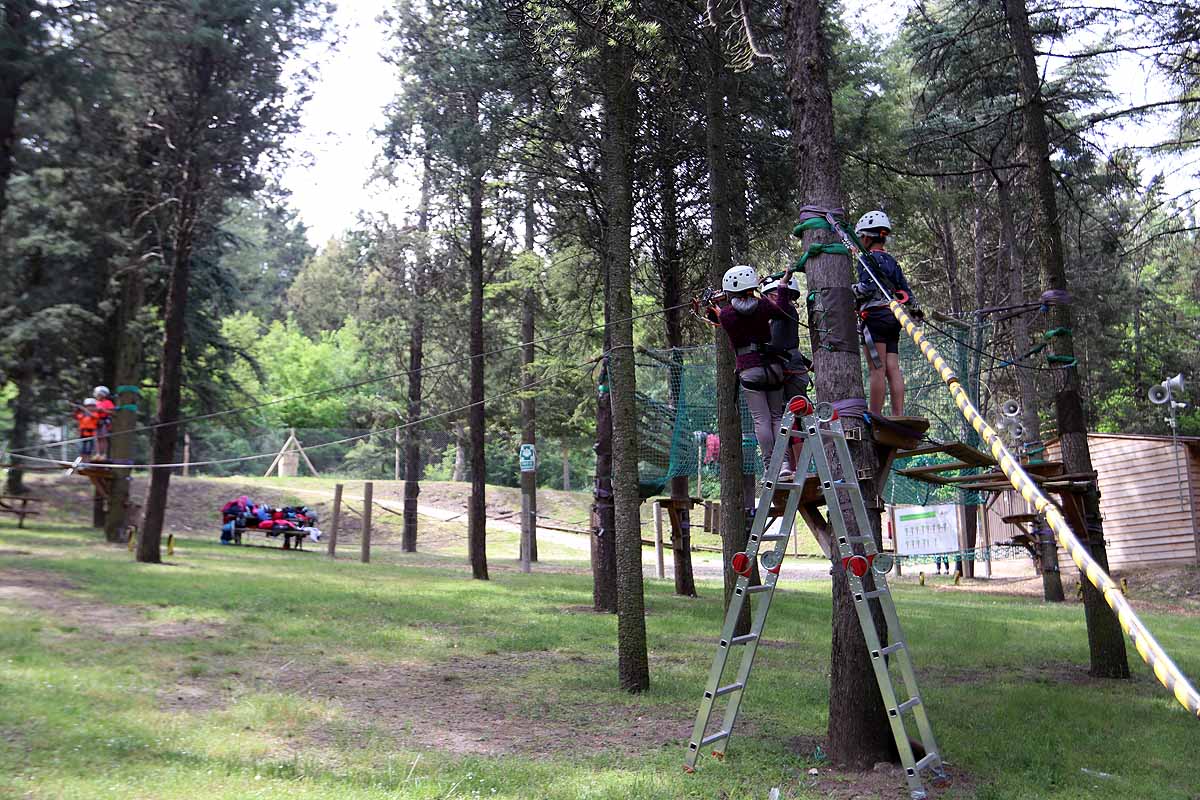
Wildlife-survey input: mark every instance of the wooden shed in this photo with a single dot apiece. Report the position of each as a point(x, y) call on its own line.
point(1151, 507)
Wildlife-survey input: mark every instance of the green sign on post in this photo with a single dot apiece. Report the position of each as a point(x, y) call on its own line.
point(528, 458)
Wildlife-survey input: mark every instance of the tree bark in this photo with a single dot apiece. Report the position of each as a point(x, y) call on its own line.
point(477, 505)
point(169, 388)
point(1010, 250)
point(528, 427)
point(604, 551)
point(620, 122)
point(416, 355)
point(18, 440)
point(528, 401)
point(412, 436)
point(566, 465)
point(1105, 640)
point(729, 416)
point(672, 280)
point(858, 731)
point(18, 16)
point(128, 368)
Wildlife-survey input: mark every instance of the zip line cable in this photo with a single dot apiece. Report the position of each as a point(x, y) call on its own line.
point(364, 382)
point(274, 453)
point(1004, 363)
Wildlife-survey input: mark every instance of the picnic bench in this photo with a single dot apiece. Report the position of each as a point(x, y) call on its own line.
point(18, 504)
point(292, 539)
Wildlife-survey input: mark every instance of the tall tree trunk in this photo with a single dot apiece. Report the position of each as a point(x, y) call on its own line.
point(128, 341)
point(477, 505)
point(412, 435)
point(416, 355)
point(566, 465)
point(620, 122)
point(1010, 249)
point(729, 416)
point(528, 425)
point(672, 290)
point(14, 72)
point(859, 734)
point(528, 400)
point(604, 550)
point(1105, 640)
point(170, 371)
point(18, 440)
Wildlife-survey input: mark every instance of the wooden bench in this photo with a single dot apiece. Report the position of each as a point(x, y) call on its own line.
point(18, 504)
point(292, 540)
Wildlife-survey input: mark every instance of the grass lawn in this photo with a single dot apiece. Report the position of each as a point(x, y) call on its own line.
point(254, 673)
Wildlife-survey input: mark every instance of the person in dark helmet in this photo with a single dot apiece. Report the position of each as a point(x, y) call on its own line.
point(881, 330)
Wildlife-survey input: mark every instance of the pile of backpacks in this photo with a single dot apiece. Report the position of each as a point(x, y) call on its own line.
point(243, 513)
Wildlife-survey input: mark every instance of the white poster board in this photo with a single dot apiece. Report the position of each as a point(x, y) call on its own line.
point(922, 530)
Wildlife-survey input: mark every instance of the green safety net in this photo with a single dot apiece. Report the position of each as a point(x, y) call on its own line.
point(926, 396)
point(677, 419)
point(677, 416)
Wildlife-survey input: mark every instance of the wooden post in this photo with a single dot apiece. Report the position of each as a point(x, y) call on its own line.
point(368, 490)
point(528, 520)
point(895, 539)
point(337, 518)
point(187, 452)
point(707, 516)
point(716, 518)
point(660, 568)
point(987, 534)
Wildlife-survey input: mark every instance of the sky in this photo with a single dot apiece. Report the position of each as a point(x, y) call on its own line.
point(330, 177)
point(335, 147)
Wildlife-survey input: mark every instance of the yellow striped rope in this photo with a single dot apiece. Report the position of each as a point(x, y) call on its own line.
point(1151, 652)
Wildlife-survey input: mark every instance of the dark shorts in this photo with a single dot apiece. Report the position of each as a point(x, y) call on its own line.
point(884, 328)
point(87, 447)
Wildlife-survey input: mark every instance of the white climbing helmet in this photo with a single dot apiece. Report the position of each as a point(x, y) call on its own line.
point(740, 279)
point(873, 221)
point(101, 391)
point(793, 284)
point(89, 401)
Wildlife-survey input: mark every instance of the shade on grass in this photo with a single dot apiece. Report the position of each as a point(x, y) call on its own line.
point(83, 715)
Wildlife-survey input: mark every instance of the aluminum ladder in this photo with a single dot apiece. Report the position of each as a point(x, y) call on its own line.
point(859, 556)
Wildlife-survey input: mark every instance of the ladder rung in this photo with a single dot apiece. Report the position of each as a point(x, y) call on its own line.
point(746, 639)
point(733, 687)
point(762, 587)
point(892, 648)
point(772, 537)
point(716, 737)
point(931, 758)
point(911, 702)
point(874, 593)
point(857, 539)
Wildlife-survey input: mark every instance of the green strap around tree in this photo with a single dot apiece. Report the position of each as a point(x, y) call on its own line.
point(816, 248)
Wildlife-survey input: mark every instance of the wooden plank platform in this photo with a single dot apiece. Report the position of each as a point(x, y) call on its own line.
point(963, 452)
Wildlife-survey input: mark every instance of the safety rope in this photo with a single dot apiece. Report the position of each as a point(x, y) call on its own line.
point(1148, 648)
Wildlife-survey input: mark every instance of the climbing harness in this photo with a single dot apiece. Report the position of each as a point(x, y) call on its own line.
point(860, 559)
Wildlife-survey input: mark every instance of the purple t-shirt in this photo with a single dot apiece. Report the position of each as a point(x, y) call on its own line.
point(752, 328)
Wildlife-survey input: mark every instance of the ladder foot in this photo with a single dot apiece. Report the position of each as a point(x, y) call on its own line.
point(718, 755)
point(689, 770)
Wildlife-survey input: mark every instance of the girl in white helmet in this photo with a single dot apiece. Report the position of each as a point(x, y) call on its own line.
point(746, 318)
point(872, 230)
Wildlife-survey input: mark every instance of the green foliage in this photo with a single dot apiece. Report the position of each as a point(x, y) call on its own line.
point(290, 363)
